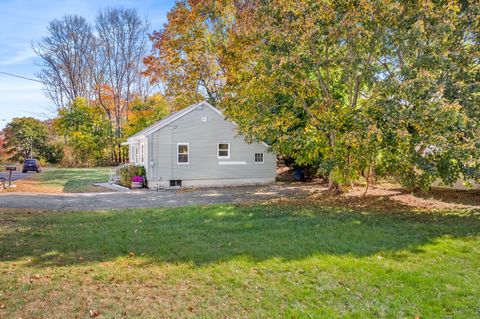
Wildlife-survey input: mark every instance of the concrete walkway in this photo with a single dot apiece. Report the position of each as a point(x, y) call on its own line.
point(97, 201)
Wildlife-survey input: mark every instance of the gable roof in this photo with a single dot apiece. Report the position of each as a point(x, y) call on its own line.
point(172, 118)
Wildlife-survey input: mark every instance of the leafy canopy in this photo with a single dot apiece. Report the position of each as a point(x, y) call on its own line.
point(356, 88)
point(25, 137)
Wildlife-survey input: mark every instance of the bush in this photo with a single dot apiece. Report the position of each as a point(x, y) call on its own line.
point(126, 174)
point(53, 153)
point(42, 162)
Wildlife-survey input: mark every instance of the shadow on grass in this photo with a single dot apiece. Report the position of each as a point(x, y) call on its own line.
point(209, 234)
point(74, 180)
point(463, 197)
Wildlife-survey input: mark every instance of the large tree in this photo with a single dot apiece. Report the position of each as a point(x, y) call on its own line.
point(355, 87)
point(188, 53)
point(25, 137)
point(119, 51)
point(65, 59)
point(102, 64)
point(85, 129)
point(363, 86)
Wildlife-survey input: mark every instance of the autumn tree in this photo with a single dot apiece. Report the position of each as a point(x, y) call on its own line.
point(102, 64)
point(361, 87)
point(187, 53)
point(86, 130)
point(120, 47)
point(357, 88)
point(144, 112)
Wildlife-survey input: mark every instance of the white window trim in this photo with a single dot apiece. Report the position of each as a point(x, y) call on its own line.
point(188, 153)
point(135, 154)
point(141, 154)
point(254, 158)
point(218, 150)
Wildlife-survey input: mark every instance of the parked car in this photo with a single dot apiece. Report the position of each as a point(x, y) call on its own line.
point(31, 165)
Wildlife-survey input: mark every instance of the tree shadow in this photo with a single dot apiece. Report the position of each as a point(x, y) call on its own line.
point(211, 234)
point(74, 180)
point(386, 199)
point(452, 196)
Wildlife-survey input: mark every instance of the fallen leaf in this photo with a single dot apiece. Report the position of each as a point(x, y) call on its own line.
point(2, 306)
point(94, 313)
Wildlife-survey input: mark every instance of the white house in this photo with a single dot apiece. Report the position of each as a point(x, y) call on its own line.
point(197, 146)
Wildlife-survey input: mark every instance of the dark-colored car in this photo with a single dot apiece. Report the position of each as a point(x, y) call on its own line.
point(31, 165)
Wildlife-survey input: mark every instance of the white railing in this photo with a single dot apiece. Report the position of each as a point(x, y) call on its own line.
point(114, 175)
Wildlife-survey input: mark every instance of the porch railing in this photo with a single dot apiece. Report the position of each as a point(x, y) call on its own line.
point(114, 175)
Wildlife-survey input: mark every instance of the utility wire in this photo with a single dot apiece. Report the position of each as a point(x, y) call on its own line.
point(21, 77)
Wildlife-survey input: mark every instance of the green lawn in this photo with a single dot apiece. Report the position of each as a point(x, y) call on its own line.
point(240, 261)
point(66, 180)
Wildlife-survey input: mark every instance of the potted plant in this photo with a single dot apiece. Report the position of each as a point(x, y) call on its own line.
point(137, 182)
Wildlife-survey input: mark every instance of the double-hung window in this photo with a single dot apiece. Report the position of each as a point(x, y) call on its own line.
point(258, 158)
point(223, 150)
point(183, 154)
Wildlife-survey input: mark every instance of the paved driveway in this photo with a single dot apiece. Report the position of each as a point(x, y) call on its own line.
point(16, 175)
point(95, 201)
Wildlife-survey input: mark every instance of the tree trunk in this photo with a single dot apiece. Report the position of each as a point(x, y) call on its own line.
point(332, 185)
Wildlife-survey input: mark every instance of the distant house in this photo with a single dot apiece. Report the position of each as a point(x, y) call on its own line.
point(197, 146)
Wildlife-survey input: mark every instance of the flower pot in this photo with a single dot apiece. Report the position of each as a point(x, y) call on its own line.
point(136, 185)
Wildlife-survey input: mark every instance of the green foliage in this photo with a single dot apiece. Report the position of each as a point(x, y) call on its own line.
point(127, 172)
point(144, 113)
point(53, 152)
point(378, 86)
point(356, 87)
point(25, 137)
point(87, 133)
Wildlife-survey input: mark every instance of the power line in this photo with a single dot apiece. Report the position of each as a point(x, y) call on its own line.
point(21, 77)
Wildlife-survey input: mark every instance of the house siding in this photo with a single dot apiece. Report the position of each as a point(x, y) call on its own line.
point(203, 162)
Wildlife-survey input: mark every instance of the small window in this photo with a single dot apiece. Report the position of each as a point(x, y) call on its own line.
point(175, 183)
point(223, 150)
point(182, 153)
point(259, 158)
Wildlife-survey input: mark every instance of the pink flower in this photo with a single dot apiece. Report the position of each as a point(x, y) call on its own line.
point(137, 179)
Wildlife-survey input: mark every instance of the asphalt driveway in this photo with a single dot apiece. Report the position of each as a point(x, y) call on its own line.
point(144, 199)
point(16, 175)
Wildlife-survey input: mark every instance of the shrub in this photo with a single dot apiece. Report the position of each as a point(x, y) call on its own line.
point(127, 173)
point(53, 153)
point(42, 162)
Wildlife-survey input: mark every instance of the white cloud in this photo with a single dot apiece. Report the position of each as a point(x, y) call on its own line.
point(18, 58)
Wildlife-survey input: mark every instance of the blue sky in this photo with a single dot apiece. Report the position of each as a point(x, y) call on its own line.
point(23, 22)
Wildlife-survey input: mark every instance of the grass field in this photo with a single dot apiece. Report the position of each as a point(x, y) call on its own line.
point(64, 180)
point(261, 261)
